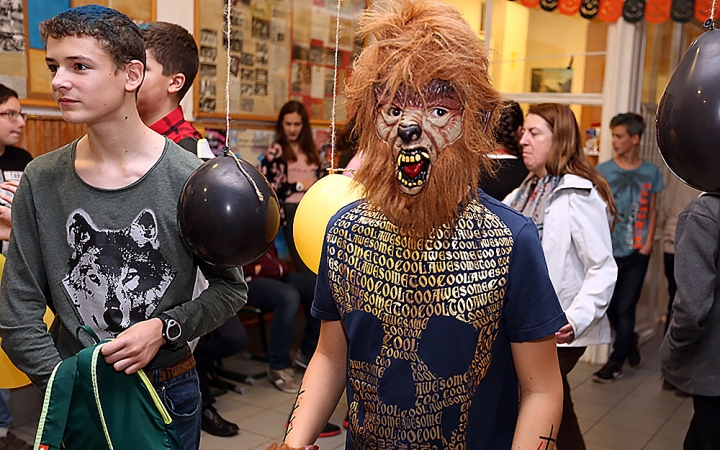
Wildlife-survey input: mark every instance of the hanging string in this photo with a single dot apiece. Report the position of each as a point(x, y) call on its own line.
point(334, 98)
point(710, 23)
point(227, 72)
point(226, 149)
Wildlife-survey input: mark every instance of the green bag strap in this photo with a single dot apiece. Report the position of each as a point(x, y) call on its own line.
point(87, 373)
point(53, 418)
point(88, 364)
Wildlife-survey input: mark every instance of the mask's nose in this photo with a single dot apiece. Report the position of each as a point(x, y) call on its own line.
point(409, 133)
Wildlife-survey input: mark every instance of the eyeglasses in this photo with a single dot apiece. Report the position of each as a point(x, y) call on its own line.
point(13, 115)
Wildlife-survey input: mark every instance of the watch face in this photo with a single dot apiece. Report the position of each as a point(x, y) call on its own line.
point(173, 330)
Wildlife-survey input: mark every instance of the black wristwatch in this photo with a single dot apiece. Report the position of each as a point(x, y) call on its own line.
point(171, 330)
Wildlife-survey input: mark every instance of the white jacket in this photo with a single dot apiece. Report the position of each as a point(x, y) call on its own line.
point(578, 251)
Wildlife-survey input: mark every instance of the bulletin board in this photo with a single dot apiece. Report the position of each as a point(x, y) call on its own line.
point(22, 54)
point(280, 50)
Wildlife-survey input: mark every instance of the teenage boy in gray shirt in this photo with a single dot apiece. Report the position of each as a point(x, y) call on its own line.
point(95, 232)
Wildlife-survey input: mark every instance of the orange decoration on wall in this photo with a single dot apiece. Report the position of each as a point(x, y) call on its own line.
point(703, 8)
point(657, 11)
point(569, 7)
point(530, 3)
point(610, 10)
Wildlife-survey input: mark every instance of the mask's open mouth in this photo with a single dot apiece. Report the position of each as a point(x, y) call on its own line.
point(413, 166)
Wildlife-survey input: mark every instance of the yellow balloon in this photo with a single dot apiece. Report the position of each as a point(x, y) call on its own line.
point(324, 198)
point(10, 376)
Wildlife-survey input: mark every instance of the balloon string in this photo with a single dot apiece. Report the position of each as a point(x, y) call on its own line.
point(227, 74)
point(712, 12)
point(334, 98)
point(226, 150)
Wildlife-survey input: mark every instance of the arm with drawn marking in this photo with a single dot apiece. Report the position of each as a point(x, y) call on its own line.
point(321, 389)
point(541, 394)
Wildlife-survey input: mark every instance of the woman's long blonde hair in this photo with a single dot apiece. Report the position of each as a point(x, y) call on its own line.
point(567, 155)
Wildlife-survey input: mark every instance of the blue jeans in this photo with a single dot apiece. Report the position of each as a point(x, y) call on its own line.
point(5, 414)
point(181, 397)
point(283, 297)
point(621, 312)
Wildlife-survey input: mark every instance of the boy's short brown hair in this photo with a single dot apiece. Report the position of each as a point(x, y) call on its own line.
point(113, 30)
point(174, 49)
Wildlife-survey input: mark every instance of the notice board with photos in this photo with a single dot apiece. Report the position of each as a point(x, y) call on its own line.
point(22, 53)
point(280, 50)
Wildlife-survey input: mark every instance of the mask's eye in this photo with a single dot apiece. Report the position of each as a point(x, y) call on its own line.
point(395, 112)
point(438, 112)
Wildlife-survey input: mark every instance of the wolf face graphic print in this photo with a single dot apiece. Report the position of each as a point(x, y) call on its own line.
point(116, 278)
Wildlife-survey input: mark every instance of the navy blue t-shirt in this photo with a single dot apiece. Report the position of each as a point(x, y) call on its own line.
point(429, 324)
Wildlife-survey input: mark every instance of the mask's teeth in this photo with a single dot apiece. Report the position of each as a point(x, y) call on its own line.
point(399, 177)
point(425, 155)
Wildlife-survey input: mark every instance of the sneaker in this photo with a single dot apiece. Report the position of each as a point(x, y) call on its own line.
point(635, 359)
point(12, 442)
point(283, 379)
point(214, 424)
point(608, 374)
point(301, 360)
point(330, 430)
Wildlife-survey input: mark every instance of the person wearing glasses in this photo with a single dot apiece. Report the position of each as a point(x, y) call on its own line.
point(12, 162)
point(12, 159)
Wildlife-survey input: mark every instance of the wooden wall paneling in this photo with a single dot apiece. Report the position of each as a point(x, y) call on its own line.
point(45, 134)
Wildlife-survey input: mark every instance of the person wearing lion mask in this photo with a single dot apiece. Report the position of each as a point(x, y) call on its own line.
point(438, 313)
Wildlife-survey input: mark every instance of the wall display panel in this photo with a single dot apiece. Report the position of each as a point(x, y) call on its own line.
point(280, 50)
point(22, 53)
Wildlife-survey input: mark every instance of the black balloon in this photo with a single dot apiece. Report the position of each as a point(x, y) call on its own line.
point(221, 217)
point(688, 118)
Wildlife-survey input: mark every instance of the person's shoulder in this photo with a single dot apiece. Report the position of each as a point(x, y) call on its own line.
point(650, 167)
point(707, 204)
point(514, 220)
point(606, 166)
point(345, 210)
point(19, 153)
point(51, 162)
point(180, 158)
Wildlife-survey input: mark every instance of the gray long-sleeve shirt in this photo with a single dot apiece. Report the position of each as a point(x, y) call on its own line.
point(690, 352)
point(107, 258)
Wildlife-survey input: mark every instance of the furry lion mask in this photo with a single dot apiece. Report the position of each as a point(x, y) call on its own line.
point(424, 108)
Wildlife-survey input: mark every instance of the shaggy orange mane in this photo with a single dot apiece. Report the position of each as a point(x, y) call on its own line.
point(410, 43)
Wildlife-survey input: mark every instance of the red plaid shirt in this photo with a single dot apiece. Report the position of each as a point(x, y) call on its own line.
point(175, 127)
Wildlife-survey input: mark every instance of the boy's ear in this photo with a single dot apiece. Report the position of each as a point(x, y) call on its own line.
point(177, 82)
point(635, 139)
point(135, 71)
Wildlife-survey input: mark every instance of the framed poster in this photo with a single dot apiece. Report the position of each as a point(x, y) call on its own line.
point(278, 50)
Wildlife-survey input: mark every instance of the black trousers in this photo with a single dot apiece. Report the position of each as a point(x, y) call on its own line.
point(704, 432)
point(569, 435)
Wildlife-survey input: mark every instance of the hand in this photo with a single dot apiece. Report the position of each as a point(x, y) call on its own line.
point(7, 191)
point(565, 335)
point(646, 249)
point(10, 185)
point(135, 347)
point(5, 223)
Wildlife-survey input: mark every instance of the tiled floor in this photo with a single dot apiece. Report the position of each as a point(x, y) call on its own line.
point(633, 413)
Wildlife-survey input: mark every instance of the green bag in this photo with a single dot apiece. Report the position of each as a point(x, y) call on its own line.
point(89, 405)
